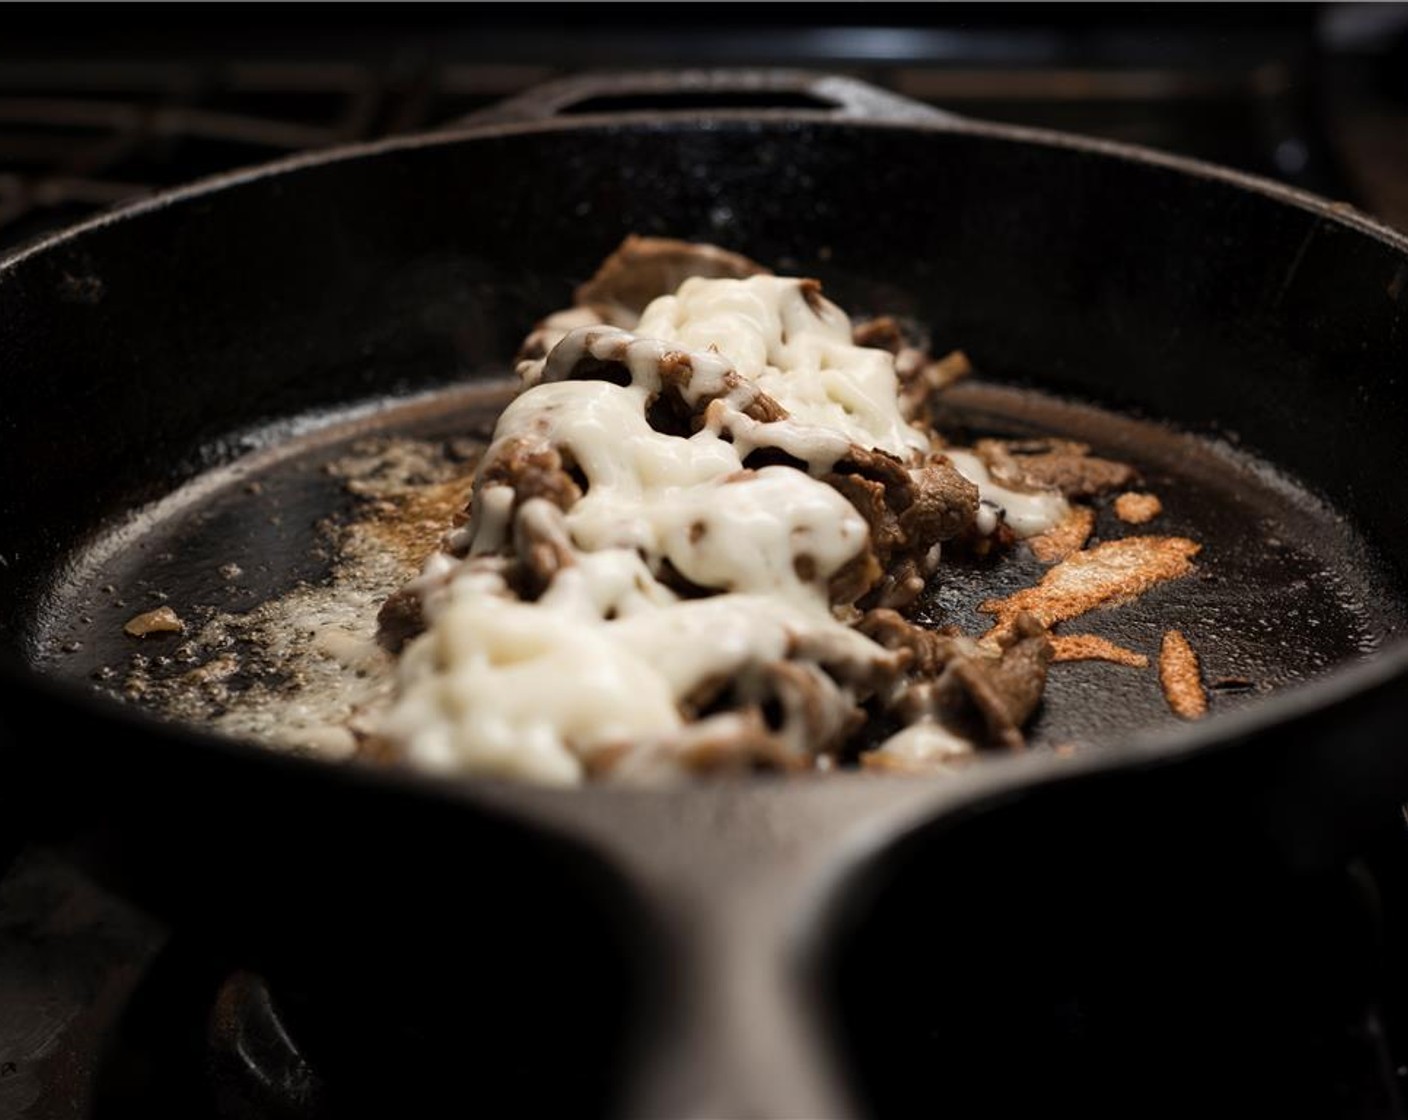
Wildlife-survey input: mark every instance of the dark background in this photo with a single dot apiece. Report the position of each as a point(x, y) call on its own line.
point(103, 104)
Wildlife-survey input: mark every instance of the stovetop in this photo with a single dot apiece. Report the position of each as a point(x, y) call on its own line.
point(105, 1012)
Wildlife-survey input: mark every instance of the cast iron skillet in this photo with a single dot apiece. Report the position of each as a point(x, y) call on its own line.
point(676, 943)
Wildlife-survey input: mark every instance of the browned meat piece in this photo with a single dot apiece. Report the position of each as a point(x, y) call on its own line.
point(928, 651)
point(901, 584)
point(532, 470)
point(400, 619)
point(856, 578)
point(952, 367)
point(816, 717)
point(869, 498)
point(884, 468)
point(542, 545)
point(948, 678)
point(643, 268)
point(908, 512)
point(920, 379)
point(1053, 464)
point(882, 333)
point(1007, 690)
point(943, 504)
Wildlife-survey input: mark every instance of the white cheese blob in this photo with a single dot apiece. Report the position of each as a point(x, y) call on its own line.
point(687, 500)
point(506, 688)
point(783, 336)
point(1028, 514)
point(603, 660)
point(924, 745)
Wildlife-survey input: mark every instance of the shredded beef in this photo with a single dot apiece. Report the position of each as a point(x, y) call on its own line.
point(602, 356)
point(928, 651)
point(1007, 690)
point(948, 677)
point(921, 379)
point(881, 333)
point(1053, 464)
point(541, 544)
point(813, 709)
point(532, 470)
point(787, 714)
point(400, 619)
point(908, 512)
point(643, 268)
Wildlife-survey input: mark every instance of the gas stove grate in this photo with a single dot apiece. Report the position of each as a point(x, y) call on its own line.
point(80, 137)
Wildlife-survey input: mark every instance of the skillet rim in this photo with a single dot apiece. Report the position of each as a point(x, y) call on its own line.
point(1328, 695)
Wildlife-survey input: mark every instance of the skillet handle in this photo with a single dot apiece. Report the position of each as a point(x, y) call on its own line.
point(737, 885)
point(704, 93)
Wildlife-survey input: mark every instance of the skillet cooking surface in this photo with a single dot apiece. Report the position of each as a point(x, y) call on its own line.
point(1282, 591)
point(140, 367)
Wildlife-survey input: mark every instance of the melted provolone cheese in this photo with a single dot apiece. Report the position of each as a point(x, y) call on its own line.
point(1028, 514)
point(609, 655)
point(796, 346)
point(604, 659)
point(925, 745)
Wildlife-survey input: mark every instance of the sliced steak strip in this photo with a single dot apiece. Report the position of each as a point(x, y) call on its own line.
point(1053, 464)
point(644, 268)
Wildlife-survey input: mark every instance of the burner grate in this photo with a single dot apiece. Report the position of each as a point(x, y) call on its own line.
point(78, 137)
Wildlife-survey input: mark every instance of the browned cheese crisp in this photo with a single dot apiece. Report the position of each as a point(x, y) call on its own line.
point(1092, 647)
point(1180, 678)
point(1137, 509)
point(1108, 573)
point(1064, 538)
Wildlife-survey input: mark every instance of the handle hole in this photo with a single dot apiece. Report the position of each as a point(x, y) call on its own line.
point(682, 101)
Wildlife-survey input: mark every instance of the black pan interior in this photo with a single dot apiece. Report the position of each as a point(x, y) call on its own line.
point(148, 349)
point(1283, 590)
point(145, 352)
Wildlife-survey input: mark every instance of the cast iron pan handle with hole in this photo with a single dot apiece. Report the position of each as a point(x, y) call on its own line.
point(657, 93)
point(143, 349)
